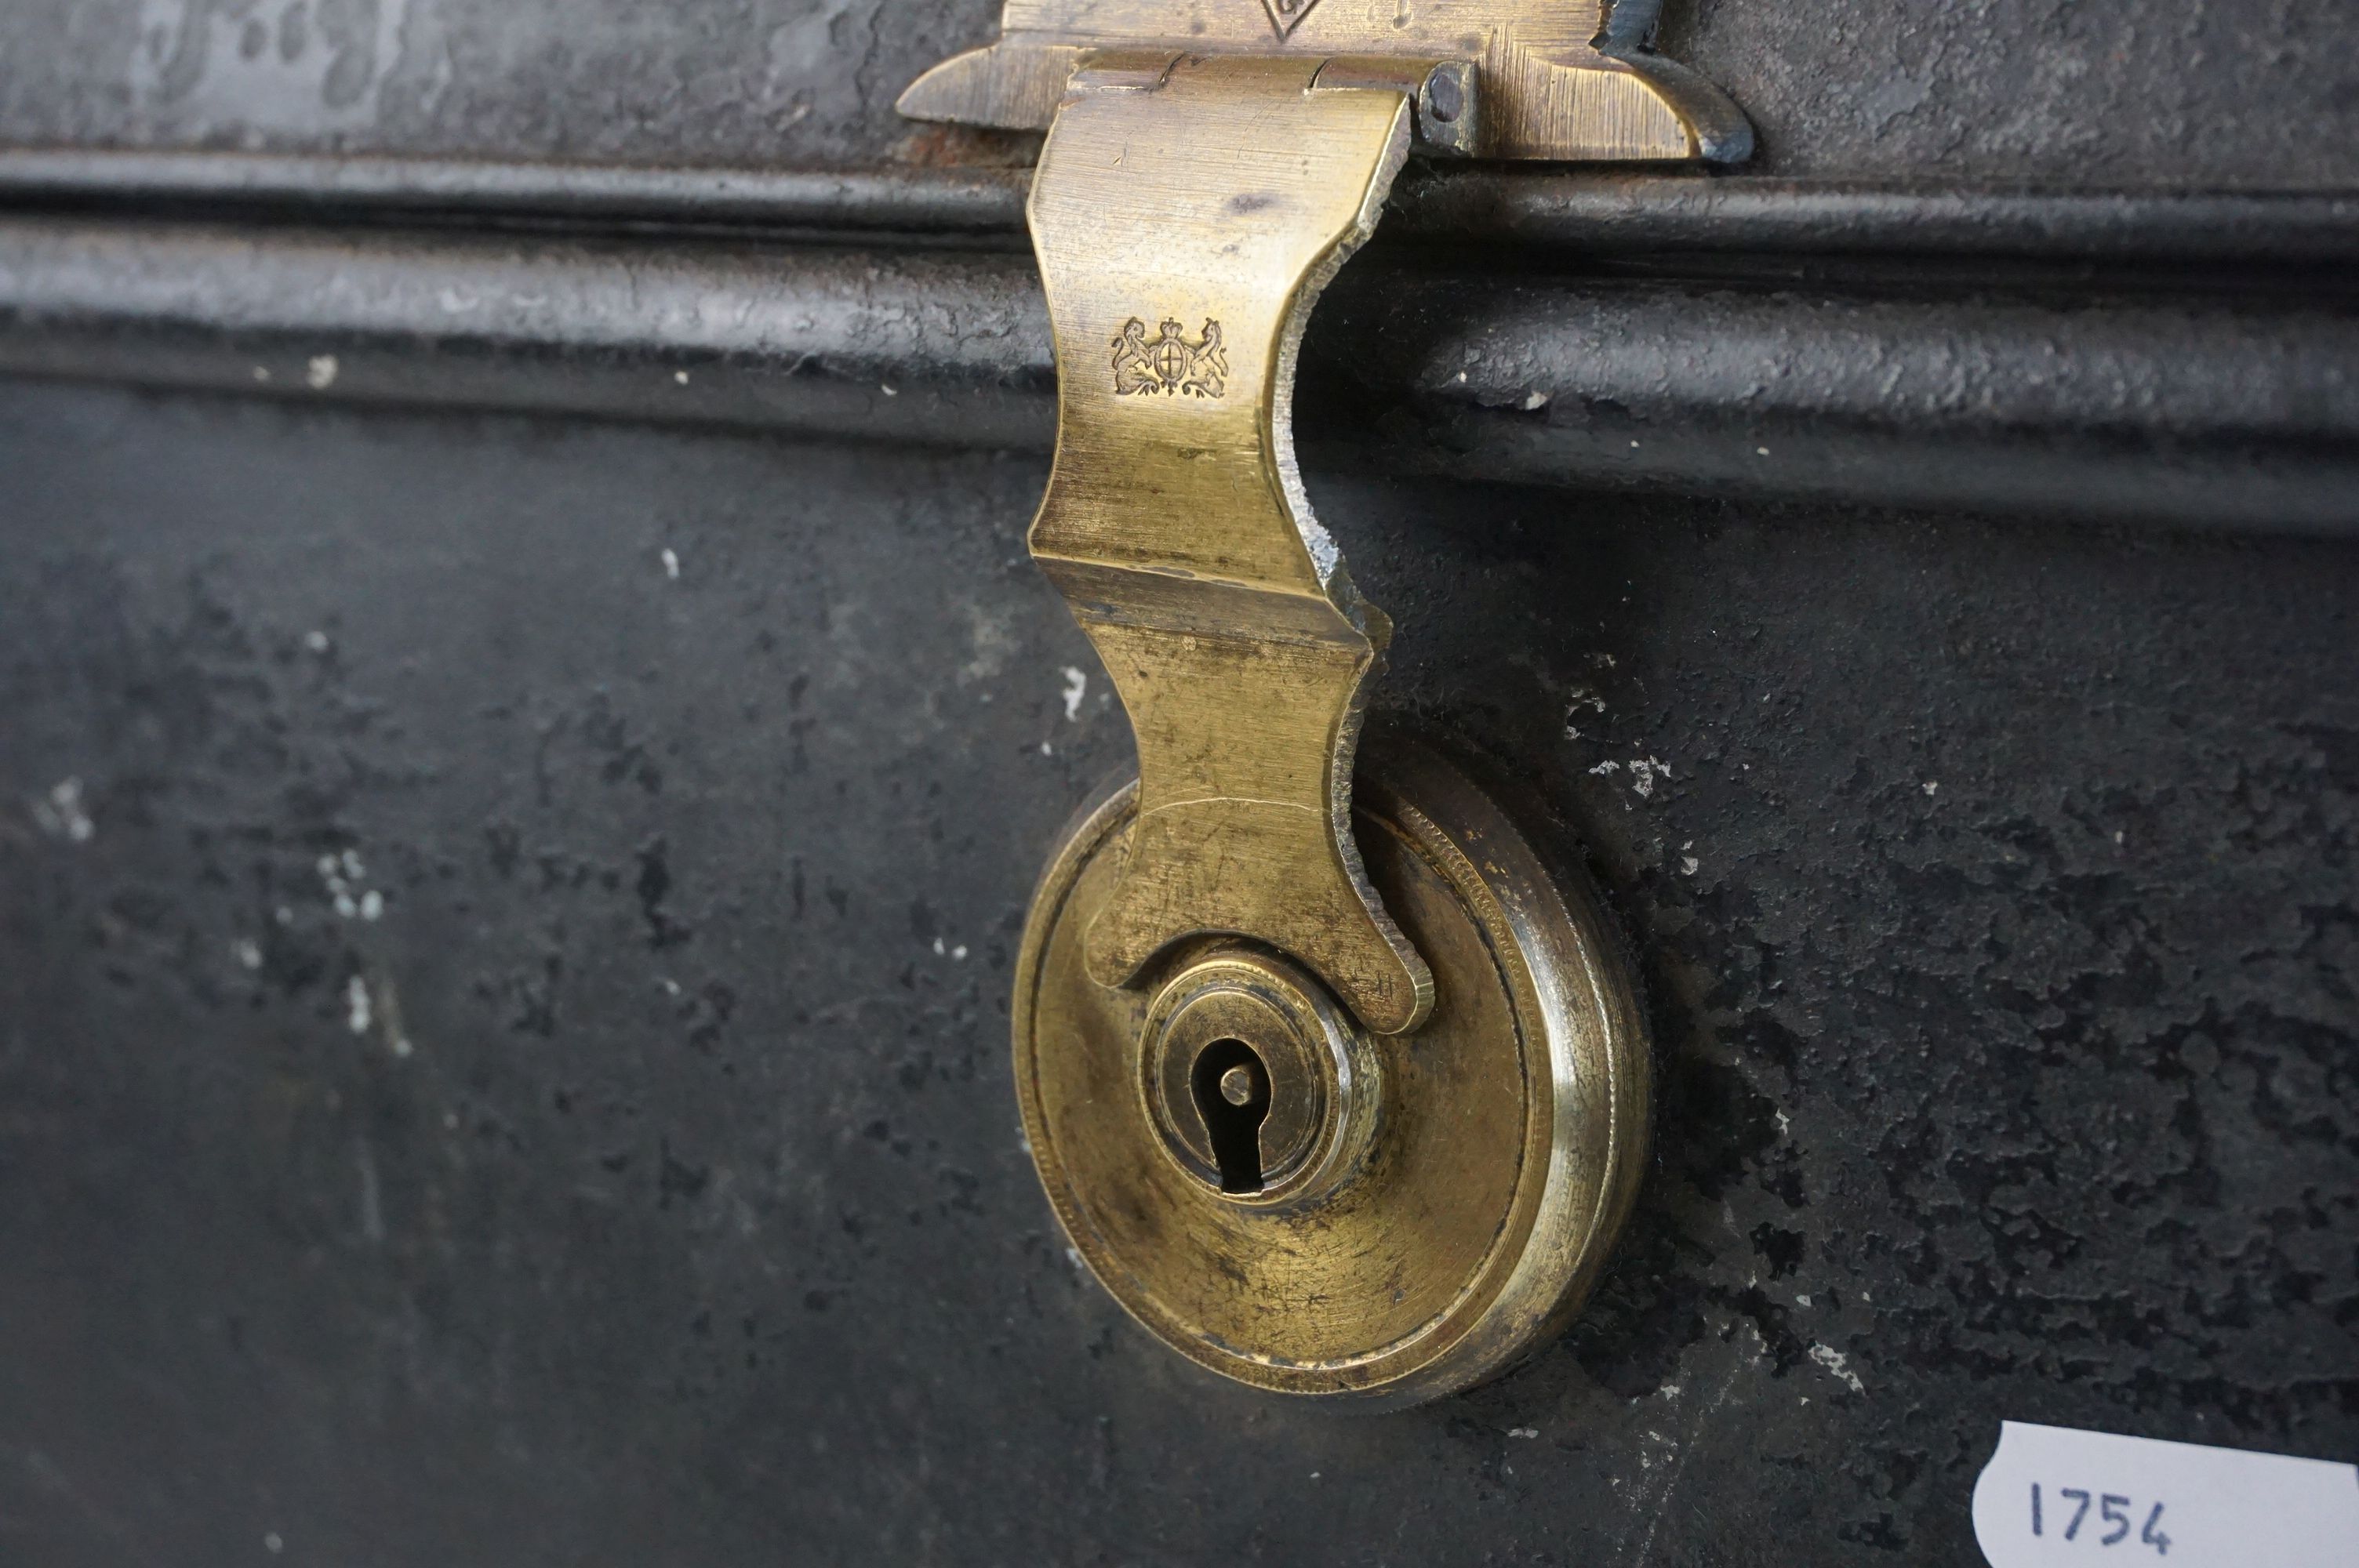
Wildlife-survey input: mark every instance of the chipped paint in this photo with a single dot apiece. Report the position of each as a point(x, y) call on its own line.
point(1837, 1363)
point(62, 815)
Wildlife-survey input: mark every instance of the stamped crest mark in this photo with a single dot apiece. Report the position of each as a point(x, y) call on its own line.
point(1170, 362)
point(1285, 14)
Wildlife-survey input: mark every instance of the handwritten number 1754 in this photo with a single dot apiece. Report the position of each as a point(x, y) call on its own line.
point(2113, 1518)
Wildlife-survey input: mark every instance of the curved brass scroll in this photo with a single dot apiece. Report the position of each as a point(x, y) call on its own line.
point(1559, 79)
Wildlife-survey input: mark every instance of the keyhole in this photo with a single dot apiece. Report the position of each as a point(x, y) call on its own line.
point(1232, 1092)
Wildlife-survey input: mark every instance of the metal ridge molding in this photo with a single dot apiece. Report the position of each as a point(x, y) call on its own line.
point(2147, 409)
point(1605, 211)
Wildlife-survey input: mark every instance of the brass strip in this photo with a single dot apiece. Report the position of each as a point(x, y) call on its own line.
point(1187, 210)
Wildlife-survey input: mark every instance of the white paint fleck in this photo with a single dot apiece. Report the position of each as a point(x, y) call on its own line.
point(1533, 401)
point(681, 377)
point(356, 1004)
point(1606, 767)
point(1633, 446)
point(1644, 771)
point(1523, 1431)
point(1932, 788)
point(888, 391)
point(2117, 836)
point(1760, 452)
point(62, 815)
point(1077, 686)
point(938, 948)
point(321, 374)
point(352, 867)
point(1687, 865)
point(1575, 700)
point(958, 954)
point(315, 641)
point(1785, 1124)
point(1074, 1257)
point(345, 907)
point(247, 951)
point(372, 904)
point(272, 1543)
point(672, 563)
point(1047, 750)
point(1461, 378)
point(1836, 1362)
point(1801, 1299)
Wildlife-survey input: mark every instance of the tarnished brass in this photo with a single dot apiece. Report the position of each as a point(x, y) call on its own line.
point(1251, 1028)
point(1321, 1138)
point(1212, 198)
point(1555, 79)
point(1423, 1225)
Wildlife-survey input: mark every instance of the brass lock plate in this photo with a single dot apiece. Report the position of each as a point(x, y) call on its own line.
point(1312, 1208)
point(1334, 1078)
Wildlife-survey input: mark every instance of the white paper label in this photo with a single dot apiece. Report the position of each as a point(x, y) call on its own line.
point(2051, 1495)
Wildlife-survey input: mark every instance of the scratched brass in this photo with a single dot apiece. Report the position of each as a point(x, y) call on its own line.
point(1186, 213)
point(1455, 1212)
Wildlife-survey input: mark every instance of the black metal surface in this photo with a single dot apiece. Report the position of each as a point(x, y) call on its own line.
point(503, 919)
point(2201, 402)
point(657, 1197)
point(2132, 93)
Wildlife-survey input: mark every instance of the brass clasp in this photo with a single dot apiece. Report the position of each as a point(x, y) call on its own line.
point(1254, 1123)
point(1208, 168)
point(1187, 211)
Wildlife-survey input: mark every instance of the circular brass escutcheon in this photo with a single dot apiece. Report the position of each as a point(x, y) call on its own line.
point(1305, 1206)
point(1256, 1081)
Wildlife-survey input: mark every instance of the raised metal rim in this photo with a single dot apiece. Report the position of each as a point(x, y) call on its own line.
point(1564, 969)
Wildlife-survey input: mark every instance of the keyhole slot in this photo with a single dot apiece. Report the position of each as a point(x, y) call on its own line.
point(1225, 1069)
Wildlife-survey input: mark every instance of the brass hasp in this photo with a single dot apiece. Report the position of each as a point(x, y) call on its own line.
point(1335, 1078)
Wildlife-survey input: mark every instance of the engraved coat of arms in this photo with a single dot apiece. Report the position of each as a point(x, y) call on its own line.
point(1170, 362)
